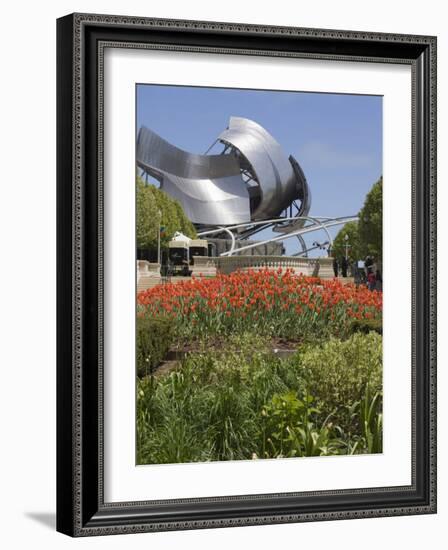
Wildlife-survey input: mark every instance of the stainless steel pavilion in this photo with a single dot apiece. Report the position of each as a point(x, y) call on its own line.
point(249, 186)
point(251, 180)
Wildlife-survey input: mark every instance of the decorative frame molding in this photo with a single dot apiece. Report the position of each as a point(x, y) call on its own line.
point(81, 510)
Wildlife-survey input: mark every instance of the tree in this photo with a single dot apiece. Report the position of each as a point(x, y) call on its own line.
point(370, 225)
point(186, 227)
point(338, 249)
point(154, 208)
point(147, 222)
point(173, 216)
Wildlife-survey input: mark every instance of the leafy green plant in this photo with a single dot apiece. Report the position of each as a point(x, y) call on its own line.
point(289, 429)
point(338, 372)
point(283, 414)
point(367, 416)
point(371, 419)
point(154, 337)
point(240, 401)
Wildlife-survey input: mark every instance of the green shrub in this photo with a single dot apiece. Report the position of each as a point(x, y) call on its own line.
point(153, 340)
point(241, 402)
point(216, 396)
point(337, 373)
point(289, 429)
point(371, 418)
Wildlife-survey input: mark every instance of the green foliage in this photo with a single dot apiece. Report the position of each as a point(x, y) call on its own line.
point(147, 217)
point(243, 402)
point(155, 207)
point(371, 419)
point(289, 430)
point(365, 237)
point(155, 335)
point(185, 225)
point(367, 416)
point(338, 248)
point(338, 372)
point(173, 217)
point(370, 225)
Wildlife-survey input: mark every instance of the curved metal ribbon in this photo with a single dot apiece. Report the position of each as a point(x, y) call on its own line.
point(211, 188)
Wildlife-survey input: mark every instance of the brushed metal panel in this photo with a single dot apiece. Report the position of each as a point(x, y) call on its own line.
point(274, 172)
point(209, 187)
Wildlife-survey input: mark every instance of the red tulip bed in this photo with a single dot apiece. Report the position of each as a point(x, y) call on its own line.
point(271, 303)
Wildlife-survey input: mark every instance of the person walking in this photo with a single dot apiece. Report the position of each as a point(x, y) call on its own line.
point(335, 267)
point(371, 280)
point(378, 280)
point(368, 263)
point(355, 273)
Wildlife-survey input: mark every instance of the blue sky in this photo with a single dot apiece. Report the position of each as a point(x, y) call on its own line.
point(336, 138)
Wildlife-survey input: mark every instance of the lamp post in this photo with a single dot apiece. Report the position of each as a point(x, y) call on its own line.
point(346, 246)
point(158, 237)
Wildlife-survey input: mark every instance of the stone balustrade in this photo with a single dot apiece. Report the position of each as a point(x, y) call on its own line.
point(321, 267)
point(203, 266)
point(148, 274)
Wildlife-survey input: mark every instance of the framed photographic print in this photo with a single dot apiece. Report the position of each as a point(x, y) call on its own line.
point(246, 274)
